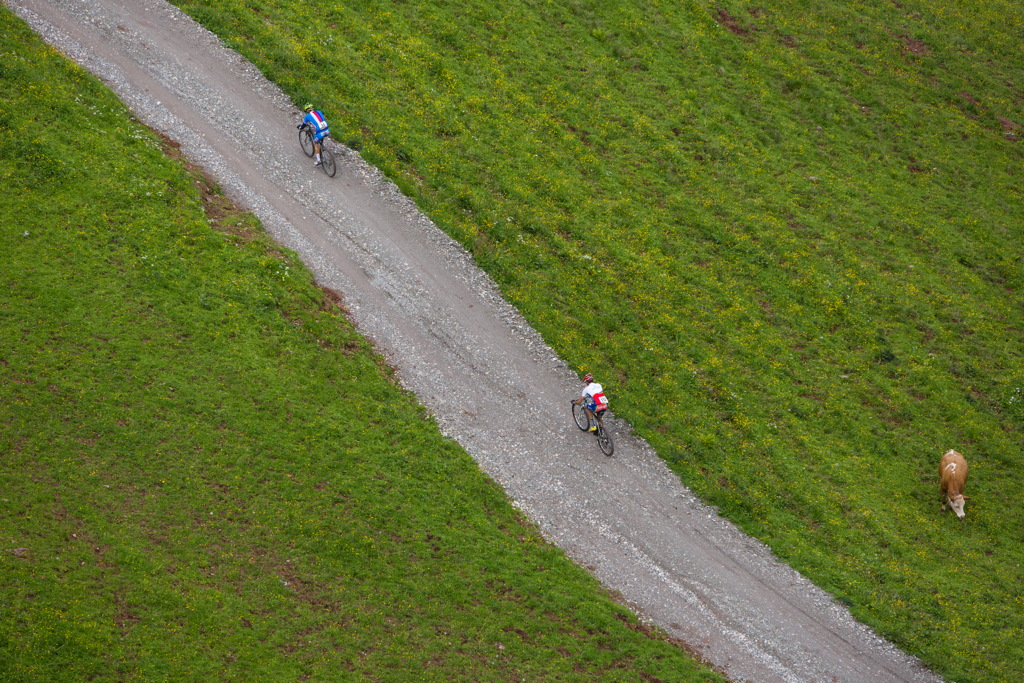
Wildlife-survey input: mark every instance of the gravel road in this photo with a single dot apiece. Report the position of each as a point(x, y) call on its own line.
point(456, 343)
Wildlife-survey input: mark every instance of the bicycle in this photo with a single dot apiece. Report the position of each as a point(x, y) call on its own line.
point(309, 148)
point(583, 421)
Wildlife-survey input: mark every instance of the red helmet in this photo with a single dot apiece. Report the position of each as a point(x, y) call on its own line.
point(588, 378)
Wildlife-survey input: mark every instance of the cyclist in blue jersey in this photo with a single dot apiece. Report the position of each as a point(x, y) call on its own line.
point(318, 126)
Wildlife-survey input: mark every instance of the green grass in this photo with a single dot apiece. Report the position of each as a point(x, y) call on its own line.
point(207, 474)
point(786, 237)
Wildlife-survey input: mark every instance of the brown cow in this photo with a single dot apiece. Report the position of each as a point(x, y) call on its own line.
point(952, 478)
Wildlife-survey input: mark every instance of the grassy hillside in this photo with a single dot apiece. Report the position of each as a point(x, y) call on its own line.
point(207, 475)
point(787, 237)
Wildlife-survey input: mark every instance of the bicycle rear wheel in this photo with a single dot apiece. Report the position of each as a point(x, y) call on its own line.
point(581, 417)
point(327, 159)
point(306, 141)
point(603, 440)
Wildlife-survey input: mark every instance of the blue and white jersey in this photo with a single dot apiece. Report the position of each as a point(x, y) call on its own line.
point(318, 123)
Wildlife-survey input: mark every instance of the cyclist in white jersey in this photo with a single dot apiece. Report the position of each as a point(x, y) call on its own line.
point(593, 399)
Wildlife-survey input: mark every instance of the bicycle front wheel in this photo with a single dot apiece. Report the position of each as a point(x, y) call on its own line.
point(327, 159)
point(306, 141)
point(580, 416)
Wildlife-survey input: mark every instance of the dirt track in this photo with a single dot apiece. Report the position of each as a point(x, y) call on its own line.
point(457, 344)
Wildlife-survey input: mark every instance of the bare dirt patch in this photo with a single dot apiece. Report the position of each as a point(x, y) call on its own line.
point(914, 46)
point(731, 23)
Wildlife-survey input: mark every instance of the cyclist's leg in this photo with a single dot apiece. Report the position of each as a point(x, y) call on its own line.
point(316, 145)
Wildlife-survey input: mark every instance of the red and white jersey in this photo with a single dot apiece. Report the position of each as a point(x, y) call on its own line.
point(596, 400)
